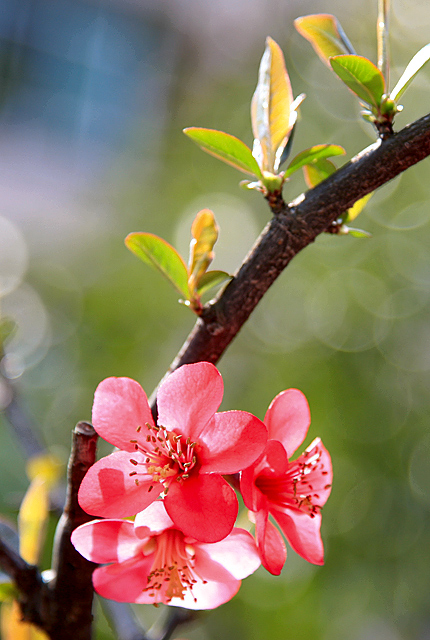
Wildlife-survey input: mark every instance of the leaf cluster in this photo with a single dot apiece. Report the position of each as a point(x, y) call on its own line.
point(366, 80)
point(190, 281)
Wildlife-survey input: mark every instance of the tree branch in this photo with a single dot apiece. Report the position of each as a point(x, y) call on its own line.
point(293, 227)
point(27, 579)
point(69, 615)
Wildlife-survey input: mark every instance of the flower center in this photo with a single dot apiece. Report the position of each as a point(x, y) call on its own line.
point(298, 487)
point(172, 573)
point(167, 455)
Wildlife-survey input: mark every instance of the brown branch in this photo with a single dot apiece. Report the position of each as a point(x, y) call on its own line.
point(27, 579)
point(292, 228)
point(71, 592)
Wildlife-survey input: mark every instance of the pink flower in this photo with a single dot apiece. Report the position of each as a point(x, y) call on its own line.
point(153, 561)
point(293, 492)
point(183, 457)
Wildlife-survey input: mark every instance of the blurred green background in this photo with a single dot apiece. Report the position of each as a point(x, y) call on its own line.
point(93, 99)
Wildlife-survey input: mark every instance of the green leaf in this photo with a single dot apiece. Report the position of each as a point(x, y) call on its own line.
point(361, 76)
point(271, 113)
point(318, 171)
point(325, 34)
point(357, 233)
point(415, 65)
point(225, 147)
point(212, 279)
point(308, 156)
point(160, 255)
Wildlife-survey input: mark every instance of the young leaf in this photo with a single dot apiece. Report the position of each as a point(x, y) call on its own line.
point(205, 233)
point(321, 169)
point(318, 171)
point(32, 518)
point(160, 255)
point(284, 149)
point(361, 76)
point(271, 106)
point(308, 156)
point(357, 208)
point(325, 34)
point(356, 233)
point(45, 466)
point(212, 279)
point(225, 147)
point(415, 65)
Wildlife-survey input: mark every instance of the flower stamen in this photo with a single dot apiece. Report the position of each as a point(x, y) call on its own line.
point(168, 455)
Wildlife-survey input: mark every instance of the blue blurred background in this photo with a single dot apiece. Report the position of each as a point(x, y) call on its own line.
point(93, 98)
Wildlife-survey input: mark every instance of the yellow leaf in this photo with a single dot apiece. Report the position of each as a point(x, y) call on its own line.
point(12, 627)
point(271, 116)
point(32, 518)
point(46, 466)
point(325, 34)
point(358, 207)
point(205, 233)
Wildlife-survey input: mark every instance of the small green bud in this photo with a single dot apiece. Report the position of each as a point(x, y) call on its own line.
point(272, 182)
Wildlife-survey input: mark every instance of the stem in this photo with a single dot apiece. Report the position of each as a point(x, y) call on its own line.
point(294, 227)
point(71, 591)
point(29, 582)
point(382, 40)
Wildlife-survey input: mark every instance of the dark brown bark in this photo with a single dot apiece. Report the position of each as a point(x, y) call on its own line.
point(28, 580)
point(292, 228)
point(71, 591)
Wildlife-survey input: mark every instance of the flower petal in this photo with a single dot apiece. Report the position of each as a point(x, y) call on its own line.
point(273, 462)
point(108, 490)
point(189, 397)
point(105, 541)
point(120, 406)
point(203, 507)
point(207, 595)
point(237, 554)
point(253, 498)
point(288, 419)
point(231, 441)
point(153, 519)
point(270, 544)
point(123, 581)
point(303, 533)
point(319, 477)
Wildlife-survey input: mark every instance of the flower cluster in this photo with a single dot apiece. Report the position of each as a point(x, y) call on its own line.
point(180, 546)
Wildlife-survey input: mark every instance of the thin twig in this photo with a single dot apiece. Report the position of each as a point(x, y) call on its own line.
point(23, 427)
point(28, 580)
point(382, 37)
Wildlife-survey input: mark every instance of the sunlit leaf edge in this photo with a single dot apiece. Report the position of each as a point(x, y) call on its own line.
point(346, 67)
point(237, 154)
point(414, 66)
point(212, 279)
point(308, 156)
point(308, 27)
point(178, 275)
